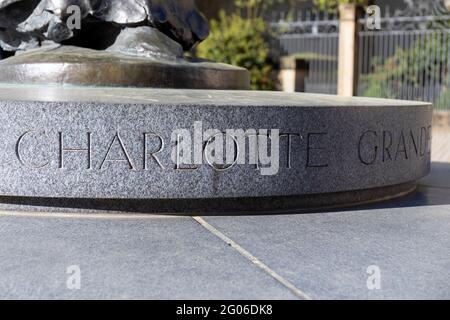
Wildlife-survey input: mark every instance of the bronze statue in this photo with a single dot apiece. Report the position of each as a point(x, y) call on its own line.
point(26, 24)
point(137, 43)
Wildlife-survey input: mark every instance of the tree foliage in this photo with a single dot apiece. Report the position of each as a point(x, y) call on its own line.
point(242, 38)
point(240, 41)
point(333, 5)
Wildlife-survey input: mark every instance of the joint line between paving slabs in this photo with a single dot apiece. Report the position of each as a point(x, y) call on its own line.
point(297, 292)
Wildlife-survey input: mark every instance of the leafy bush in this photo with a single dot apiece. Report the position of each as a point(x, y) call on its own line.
point(242, 42)
point(425, 62)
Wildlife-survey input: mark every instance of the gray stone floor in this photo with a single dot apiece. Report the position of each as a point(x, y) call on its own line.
point(316, 256)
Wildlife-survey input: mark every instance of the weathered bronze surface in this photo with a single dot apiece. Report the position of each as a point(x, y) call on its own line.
point(132, 43)
point(26, 23)
point(66, 65)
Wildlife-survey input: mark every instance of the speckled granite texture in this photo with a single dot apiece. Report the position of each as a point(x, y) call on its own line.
point(336, 144)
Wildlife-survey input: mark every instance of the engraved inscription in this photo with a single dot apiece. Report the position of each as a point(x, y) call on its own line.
point(125, 155)
point(391, 146)
point(63, 150)
point(149, 154)
point(315, 149)
point(149, 151)
point(28, 161)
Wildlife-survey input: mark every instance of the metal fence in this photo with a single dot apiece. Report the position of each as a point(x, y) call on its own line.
point(314, 40)
point(408, 58)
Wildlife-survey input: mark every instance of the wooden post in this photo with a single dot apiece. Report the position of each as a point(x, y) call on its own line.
point(347, 64)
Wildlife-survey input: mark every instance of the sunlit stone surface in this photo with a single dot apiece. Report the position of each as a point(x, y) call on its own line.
point(119, 143)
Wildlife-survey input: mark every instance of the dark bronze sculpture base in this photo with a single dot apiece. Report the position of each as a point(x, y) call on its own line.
point(66, 65)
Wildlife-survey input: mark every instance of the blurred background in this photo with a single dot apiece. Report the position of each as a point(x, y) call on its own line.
point(407, 58)
point(399, 49)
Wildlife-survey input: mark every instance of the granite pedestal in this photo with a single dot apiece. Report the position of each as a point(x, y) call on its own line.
point(111, 149)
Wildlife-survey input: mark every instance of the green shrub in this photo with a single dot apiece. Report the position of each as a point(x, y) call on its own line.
point(242, 42)
point(423, 63)
point(443, 102)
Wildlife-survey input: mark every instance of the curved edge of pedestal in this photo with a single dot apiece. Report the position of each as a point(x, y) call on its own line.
point(75, 148)
point(204, 207)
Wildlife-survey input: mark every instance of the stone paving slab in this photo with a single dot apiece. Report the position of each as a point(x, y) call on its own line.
point(439, 177)
point(319, 256)
point(160, 258)
point(326, 255)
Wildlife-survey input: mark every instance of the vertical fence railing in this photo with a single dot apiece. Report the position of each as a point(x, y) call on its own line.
point(407, 59)
point(314, 41)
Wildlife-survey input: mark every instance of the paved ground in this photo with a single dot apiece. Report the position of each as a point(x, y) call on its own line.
point(317, 256)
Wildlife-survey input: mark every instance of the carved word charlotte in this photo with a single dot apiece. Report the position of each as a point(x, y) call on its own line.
point(265, 150)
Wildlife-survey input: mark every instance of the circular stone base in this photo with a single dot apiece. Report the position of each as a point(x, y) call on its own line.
point(115, 149)
point(66, 65)
point(198, 207)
